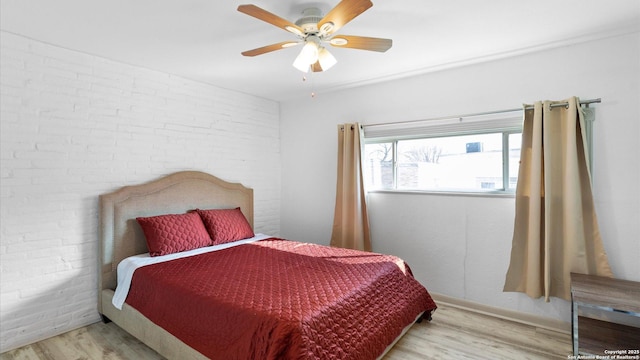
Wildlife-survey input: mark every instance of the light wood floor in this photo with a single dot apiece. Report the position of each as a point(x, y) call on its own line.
point(452, 334)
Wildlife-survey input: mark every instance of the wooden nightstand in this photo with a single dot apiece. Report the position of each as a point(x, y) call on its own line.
point(605, 315)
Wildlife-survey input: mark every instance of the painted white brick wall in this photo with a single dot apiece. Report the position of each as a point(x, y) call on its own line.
point(74, 126)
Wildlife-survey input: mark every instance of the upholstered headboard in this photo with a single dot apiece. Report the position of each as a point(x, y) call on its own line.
point(120, 235)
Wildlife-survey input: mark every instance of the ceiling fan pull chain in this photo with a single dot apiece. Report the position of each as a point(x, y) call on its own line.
point(311, 82)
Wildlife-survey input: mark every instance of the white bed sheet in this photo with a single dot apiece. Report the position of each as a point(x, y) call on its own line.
point(128, 266)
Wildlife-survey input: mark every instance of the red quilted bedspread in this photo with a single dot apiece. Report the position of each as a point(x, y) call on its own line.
point(279, 299)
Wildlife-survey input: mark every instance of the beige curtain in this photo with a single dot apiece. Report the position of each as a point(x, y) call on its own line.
point(556, 229)
point(350, 221)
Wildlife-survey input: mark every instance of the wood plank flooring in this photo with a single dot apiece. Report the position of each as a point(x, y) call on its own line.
point(459, 334)
point(452, 334)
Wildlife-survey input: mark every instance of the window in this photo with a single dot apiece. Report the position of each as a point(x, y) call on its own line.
point(458, 155)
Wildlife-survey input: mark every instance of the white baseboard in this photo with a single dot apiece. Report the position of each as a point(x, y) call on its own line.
point(524, 318)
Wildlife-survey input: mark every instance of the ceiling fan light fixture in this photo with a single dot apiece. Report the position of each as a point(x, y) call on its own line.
point(308, 55)
point(300, 64)
point(325, 59)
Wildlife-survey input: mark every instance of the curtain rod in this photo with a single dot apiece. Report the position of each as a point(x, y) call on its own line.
point(582, 102)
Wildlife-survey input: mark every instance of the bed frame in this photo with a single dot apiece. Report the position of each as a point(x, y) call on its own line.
point(120, 236)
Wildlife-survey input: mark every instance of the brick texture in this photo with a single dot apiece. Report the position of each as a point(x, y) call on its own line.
point(74, 126)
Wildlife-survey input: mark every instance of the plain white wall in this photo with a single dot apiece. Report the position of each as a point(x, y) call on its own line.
point(75, 126)
point(460, 245)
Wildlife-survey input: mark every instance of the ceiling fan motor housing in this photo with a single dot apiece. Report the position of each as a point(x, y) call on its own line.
point(309, 20)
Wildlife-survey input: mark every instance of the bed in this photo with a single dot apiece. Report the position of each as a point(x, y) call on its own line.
point(260, 297)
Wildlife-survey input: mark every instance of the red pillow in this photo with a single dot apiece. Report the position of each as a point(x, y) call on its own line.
point(168, 234)
point(226, 225)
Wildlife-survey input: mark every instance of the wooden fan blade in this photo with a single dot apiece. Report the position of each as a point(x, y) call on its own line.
point(342, 13)
point(361, 42)
point(269, 48)
point(272, 19)
point(316, 67)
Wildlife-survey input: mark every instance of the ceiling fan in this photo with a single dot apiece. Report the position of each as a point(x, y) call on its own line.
point(314, 31)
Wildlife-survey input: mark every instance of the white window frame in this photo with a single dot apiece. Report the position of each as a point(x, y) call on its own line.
point(506, 123)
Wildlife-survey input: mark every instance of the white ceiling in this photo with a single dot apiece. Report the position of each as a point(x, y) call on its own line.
point(202, 39)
